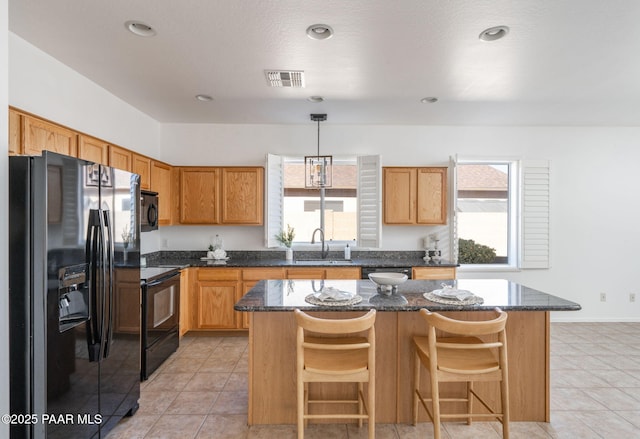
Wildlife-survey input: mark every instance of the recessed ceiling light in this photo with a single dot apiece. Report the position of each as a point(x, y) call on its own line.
point(204, 98)
point(429, 100)
point(319, 32)
point(315, 99)
point(139, 28)
point(494, 33)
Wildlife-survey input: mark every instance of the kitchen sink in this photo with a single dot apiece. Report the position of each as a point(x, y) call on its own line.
point(315, 262)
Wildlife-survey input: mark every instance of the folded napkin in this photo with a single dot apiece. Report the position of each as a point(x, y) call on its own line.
point(448, 292)
point(333, 294)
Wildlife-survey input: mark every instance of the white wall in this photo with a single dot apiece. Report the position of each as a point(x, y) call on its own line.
point(4, 217)
point(44, 86)
point(594, 211)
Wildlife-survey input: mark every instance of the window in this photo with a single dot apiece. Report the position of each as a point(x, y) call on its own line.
point(352, 204)
point(502, 213)
point(302, 207)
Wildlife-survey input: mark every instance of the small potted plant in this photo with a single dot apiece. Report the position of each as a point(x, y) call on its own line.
point(286, 238)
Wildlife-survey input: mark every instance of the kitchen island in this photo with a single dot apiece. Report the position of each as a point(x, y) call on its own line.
point(272, 395)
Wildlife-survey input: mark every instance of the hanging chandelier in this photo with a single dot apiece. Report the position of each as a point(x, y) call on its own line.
point(318, 168)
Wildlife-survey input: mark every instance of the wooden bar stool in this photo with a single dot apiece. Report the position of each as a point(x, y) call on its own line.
point(336, 351)
point(462, 358)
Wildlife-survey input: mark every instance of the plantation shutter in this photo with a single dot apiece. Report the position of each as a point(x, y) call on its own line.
point(535, 204)
point(275, 196)
point(453, 208)
point(369, 201)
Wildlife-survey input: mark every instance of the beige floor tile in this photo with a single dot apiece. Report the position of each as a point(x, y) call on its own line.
point(383, 431)
point(238, 382)
point(573, 400)
point(566, 425)
point(459, 430)
point(614, 399)
point(176, 427)
point(609, 424)
point(192, 403)
point(272, 432)
point(422, 430)
point(224, 427)
point(325, 431)
point(214, 381)
point(169, 382)
point(218, 364)
point(184, 365)
point(231, 403)
point(156, 402)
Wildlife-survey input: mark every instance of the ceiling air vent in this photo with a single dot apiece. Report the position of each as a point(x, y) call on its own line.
point(285, 78)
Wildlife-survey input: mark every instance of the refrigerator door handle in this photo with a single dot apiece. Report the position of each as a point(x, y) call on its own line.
point(109, 281)
point(104, 256)
point(93, 257)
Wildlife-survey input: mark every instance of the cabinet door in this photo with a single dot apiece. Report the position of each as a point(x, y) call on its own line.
point(432, 196)
point(215, 304)
point(198, 195)
point(250, 277)
point(142, 166)
point(242, 195)
point(92, 149)
point(161, 183)
point(120, 158)
point(14, 132)
point(399, 195)
point(38, 136)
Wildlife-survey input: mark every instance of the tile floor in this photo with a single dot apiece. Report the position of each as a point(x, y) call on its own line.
point(201, 392)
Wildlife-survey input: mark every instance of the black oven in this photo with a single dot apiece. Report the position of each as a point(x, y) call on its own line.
point(160, 317)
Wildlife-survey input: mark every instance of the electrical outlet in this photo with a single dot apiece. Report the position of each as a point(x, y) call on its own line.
point(632, 297)
point(603, 297)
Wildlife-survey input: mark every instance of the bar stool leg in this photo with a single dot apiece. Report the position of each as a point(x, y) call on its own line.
point(416, 386)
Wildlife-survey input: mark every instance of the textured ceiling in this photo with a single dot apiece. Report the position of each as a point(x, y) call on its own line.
point(571, 62)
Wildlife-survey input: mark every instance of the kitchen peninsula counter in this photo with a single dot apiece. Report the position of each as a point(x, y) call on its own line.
point(272, 395)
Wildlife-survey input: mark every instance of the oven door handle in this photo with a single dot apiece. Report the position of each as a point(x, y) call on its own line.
point(163, 280)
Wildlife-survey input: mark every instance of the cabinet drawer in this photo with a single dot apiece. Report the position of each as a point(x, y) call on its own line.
point(305, 273)
point(219, 274)
point(434, 273)
point(343, 273)
point(262, 273)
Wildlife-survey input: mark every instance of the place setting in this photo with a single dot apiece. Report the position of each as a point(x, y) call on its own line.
point(449, 295)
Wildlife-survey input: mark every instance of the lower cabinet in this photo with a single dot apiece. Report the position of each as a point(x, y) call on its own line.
point(213, 292)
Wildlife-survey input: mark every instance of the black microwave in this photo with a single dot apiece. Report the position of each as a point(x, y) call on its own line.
point(148, 211)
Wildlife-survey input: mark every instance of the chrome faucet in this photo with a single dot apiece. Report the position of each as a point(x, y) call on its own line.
point(323, 253)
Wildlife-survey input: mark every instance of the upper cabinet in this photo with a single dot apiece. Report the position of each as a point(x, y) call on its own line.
point(162, 183)
point(14, 132)
point(242, 195)
point(199, 195)
point(141, 165)
point(38, 136)
point(221, 195)
point(92, 149)
point(120, 158)
point(415, 195)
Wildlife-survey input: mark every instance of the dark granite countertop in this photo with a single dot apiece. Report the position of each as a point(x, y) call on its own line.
point(286, 295)
point(239, 259)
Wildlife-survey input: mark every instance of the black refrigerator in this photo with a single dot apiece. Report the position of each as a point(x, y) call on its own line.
point(74, 306)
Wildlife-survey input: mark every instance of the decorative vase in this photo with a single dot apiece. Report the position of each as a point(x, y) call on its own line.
point(289, 254)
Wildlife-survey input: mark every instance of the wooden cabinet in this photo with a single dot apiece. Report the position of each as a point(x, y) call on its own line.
point(241, 195)
point(14, 132)
point(415, 195)
point(430, 273)
point(38, 136)
point(161, 182)
point(199, 193)
point(141, 165)
point(120, 158)
point(217, 291)
point(215, 195)
point(185, 300)
point(92, 149)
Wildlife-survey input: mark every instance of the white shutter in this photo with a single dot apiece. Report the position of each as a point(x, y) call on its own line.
point(534, 243)
point(453, 208)
point(369, 201)
point(274, 196)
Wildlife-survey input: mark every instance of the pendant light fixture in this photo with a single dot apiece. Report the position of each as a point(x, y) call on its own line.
point(318, 168)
